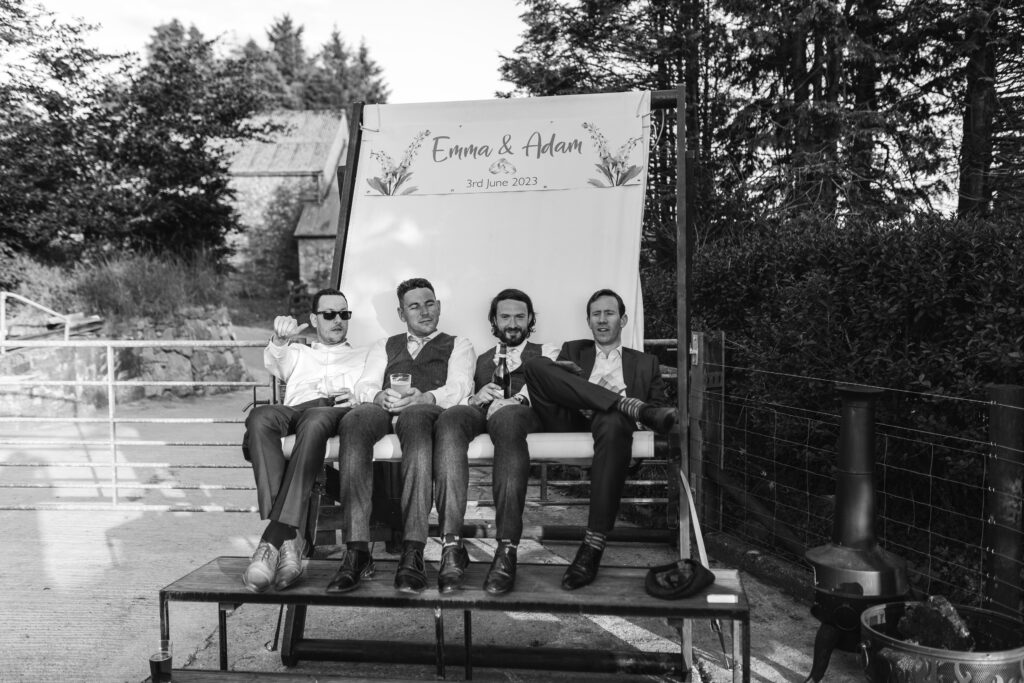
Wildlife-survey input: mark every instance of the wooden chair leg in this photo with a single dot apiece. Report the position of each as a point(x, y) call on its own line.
point(294, 629)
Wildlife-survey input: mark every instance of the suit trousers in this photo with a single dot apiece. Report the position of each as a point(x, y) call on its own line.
point(507, 429)
point(283, 486)
point(430, 476)
point(558, 396)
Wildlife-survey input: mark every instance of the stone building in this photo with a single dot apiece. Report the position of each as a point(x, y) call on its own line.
point(305, 156)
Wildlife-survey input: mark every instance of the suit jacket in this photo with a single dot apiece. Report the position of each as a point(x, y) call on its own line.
point(639, 370)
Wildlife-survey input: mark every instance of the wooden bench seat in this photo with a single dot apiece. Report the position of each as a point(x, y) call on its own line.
point(575, 448)
point(617, 591)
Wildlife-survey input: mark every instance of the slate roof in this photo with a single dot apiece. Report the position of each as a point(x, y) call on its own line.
point(302, 149)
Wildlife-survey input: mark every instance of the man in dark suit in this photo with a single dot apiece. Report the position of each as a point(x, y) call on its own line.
point(600, 386)
point(507, 421)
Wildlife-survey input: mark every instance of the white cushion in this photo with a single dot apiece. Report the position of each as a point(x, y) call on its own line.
point(567, 447)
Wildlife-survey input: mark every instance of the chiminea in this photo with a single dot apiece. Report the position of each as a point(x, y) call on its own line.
point(852, 572)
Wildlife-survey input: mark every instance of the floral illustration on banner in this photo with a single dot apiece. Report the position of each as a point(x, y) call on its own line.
point(614, 168)
point(394, 176)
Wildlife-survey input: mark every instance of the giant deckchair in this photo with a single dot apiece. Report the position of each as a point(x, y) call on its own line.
point(542, 194)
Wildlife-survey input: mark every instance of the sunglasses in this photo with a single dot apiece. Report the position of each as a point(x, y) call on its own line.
point(331, 315)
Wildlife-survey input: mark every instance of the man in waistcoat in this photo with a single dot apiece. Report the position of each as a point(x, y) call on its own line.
point(320, 380)
point(507, 421)
point(442, 376)
point(600, 386)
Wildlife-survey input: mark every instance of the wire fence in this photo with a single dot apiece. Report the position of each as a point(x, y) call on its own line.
point(948, 490)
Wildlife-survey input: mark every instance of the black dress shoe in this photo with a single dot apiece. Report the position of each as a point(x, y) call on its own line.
point(355, 565)
point(583, 569)
point(501, 577)
point(454, 560)
point(660, 420)
point(411, 575)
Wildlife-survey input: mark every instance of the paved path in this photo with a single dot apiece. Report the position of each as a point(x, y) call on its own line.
point(80, 586)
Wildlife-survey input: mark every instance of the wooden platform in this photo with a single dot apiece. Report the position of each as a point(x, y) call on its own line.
point(617, 591)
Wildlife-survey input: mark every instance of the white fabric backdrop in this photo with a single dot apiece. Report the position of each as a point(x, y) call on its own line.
point(558, 246)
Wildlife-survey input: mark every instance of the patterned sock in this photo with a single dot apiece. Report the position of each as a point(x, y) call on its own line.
point(595, 539)
point(451, 539)
point(277, 533)
point(511, 544)
point(630, 407)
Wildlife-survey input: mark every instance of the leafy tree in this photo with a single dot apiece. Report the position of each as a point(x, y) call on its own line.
point(991, 157)
point(181, 109)
point(59, 113)
point(98, 155)
point(825, 110)
point(340, 77)
point(334, 78)
point(287, 48)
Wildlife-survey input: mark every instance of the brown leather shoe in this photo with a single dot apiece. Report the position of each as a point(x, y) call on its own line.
point(501, 577)
point(291, 567)
point(259, 575)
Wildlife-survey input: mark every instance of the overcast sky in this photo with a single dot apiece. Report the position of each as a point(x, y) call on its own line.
point(430, 50)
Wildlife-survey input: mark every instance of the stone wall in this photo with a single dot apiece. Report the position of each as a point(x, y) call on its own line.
point(209, 364)
point(145, 364)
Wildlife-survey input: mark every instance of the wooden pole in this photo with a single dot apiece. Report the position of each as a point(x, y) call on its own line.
point(1003, 506)
point(346, 187)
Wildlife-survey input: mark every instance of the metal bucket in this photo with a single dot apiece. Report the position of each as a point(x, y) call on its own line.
point(998, 656)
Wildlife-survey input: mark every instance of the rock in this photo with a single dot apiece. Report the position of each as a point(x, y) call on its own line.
point(935, 623)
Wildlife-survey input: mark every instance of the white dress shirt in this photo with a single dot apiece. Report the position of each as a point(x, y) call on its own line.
point(607, 370)
point(458, 385)
point(311, 371)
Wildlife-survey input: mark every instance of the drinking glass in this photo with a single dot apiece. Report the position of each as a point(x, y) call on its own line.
point(401, 382)
point(160, 663)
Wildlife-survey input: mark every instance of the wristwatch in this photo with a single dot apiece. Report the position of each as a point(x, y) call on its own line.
point(523, 401)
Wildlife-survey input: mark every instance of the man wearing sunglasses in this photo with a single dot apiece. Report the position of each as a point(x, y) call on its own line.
point(441, 367)
point(319, 378)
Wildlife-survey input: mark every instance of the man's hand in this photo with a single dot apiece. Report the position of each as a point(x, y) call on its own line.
point(286, 327)
point(570, 366)
point(394, 402)
point(344, 398)
point(488, 393)
point(500, 403)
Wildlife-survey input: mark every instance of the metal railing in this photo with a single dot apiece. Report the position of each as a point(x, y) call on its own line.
point(110, 440)
point(5, 296)
point(46, 446)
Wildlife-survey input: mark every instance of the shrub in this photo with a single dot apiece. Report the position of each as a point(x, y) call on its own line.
point(144, 285)
point(930, 309)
